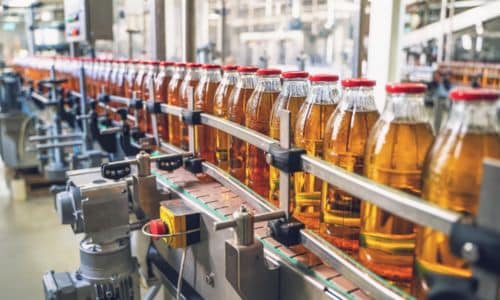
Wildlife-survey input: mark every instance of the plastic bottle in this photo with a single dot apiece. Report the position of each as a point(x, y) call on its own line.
point(173, 98)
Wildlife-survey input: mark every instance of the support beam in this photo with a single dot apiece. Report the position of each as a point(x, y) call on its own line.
point(157, 49)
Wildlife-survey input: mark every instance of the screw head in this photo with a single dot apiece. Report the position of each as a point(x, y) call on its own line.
point(470, 252)
point(210, 279)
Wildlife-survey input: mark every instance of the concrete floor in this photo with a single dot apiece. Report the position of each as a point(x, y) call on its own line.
point(32, 242)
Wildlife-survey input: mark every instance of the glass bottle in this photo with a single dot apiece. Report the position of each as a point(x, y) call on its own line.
point(106, 76)
point(139, 89)
point(162, 81)
point(394, 156)
point(121, 76)
point(113, 76)
point(345, 138)
point(258, 114)
point(309, 134)
point(129, 85)
point(452, 177)
point(236, 113)
point(291, 98)
point(204, 101)
point(148, 90)
point(173, 98)
point(191, 80)
point(221, 100)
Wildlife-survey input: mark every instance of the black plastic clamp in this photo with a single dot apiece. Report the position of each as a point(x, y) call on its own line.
point(115, 170)
point(169, 163)
point(191, 117)
point(478, 246)
point(104, 98)
point(287, 160)
point(285, 232)
point(193, 164)
point(123, 113)
point(135, 104)
point(153, 107)
point(443, 287)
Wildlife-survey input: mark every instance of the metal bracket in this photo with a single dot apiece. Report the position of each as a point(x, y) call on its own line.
point(287, 160)
point(191, 117)
point(153, 107)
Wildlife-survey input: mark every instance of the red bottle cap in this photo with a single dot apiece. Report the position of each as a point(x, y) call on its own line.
point(180, 64)
point(247, 69)
point(474, 95)
point(405, 88)
point(264, 72)
point(357, 82)
point(153, 62)
point(230, 68)
point(294, 74)
point(193, 65)
point(210, 66)
point(166, 63)
point(324, 77)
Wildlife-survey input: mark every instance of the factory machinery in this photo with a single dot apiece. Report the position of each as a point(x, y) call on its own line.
point(150, 217)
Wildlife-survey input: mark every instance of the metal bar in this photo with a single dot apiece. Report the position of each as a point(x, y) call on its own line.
point(41, 98)
point(37, 138)
point(188, 11)
point(345, 265)
point(489, 206)
point(399, 203)
point(120, 100)
point(58, 145)
point(87, 145)
point(285, 143)
point(255, 138)
point(157, 29)
point(171, 110)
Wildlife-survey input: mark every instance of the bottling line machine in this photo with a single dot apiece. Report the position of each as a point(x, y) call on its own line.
point(151, 219)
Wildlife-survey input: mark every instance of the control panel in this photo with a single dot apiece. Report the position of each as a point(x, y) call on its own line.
point(88, 20)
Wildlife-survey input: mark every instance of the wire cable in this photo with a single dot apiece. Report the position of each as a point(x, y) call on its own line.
point(181, 271)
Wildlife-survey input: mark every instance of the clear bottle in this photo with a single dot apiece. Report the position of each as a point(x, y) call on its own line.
point(309, 134)
point(173, 98)
point(221, 103)
point(204, 100)
point(394, 156)
point(345, 138)
point(291, 98)
point(258, 114)
point(452, 177)
point(236, 113)
point(162, 81)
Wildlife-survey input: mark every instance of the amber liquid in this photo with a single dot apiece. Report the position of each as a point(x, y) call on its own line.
point(238, 148)
point(394, 156)
point(293, 105)
point(258, 114)
point(161, 92)
point(182, 131)
point(149, 85)
point(173, 98)
point(345, 139)
point(139, 88)
point(452, 180)
point(222, 138)
point(204, 144)
point(309, 135)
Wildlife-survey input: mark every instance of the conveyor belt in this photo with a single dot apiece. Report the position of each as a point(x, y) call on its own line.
point(222, 202)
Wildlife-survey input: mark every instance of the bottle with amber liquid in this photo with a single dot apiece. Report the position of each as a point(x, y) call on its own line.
point(236, 113)
point(173, 98)
point(106, 76)
point(148, 90)
point(291, 98)
point(309, 134)
point(345, 138)
point(394, 155)
point(113, 77)
point(258, 114)
point(191, 80)
point(162, 81)
point(226, 86)
point(129, 83)
point(452, 178)
point(204, 145)
point(139, 89)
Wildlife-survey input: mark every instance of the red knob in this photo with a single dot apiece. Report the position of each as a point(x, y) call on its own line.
point(157, 226)
point(75, 32)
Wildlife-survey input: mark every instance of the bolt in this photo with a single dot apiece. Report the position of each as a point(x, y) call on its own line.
point(210, 279)
point(109, 294)
point(269, 158)
point(470, 252)
point(243, 208)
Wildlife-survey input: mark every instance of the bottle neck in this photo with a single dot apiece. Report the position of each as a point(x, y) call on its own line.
point(323, 92)
point(179, 73)
point(295, 87)
point(358, 99)
point(192, 74)
point(269, 83)
point(229, 78)
point(167, 70)
point(476, 117)
point(211, 75)
point(407, 108)
point(246, 81)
